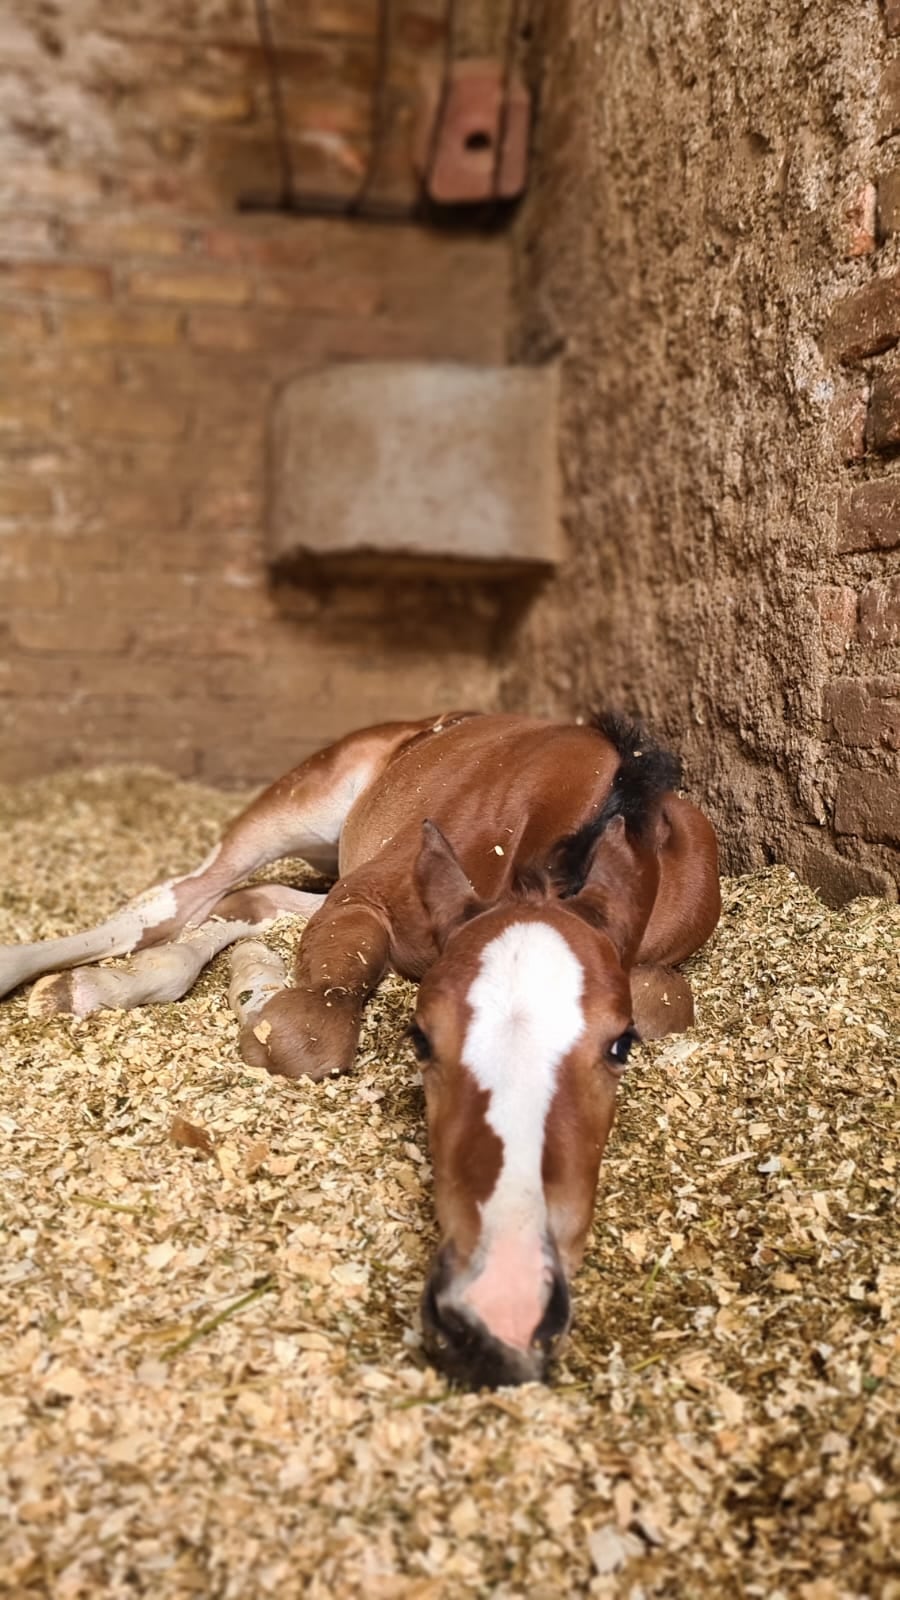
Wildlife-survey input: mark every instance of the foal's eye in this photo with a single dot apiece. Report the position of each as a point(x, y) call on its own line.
point(420, 1042)
point(618, 1050)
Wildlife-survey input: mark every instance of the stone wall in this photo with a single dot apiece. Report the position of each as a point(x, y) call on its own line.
point(145, 325)
point(710, 245)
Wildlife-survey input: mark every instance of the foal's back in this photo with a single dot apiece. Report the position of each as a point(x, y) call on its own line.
point(504, 788)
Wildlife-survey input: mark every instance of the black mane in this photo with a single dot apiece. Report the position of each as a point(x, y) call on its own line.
point(645, 772)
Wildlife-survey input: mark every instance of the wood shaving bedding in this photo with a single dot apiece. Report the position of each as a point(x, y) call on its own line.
point(211, 1382)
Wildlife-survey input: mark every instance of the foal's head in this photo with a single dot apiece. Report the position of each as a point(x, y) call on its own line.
point(523, 1027)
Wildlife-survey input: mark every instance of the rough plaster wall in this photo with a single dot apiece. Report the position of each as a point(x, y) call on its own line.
point(684, 236)
point(145, 326)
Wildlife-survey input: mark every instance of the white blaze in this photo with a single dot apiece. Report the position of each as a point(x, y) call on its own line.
point(526, 1016)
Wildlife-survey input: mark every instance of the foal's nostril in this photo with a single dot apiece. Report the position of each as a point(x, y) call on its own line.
point(469, 1353)
point(556, 1316)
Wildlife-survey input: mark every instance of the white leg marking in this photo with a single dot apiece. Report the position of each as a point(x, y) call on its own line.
point(257, 974)
point(118, 936)
point(526, 1016)
point(164, 971)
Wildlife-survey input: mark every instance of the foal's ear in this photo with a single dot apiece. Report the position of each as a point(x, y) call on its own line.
point(620, 887)
point(445, 891)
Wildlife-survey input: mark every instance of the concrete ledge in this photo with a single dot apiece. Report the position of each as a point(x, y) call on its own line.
point(415, 467)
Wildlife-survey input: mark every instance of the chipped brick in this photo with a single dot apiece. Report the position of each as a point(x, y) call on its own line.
point(868, 805)
point(838, 879)
point(62, 280)
point(883, 421)
point(836, 607)
point(114, 326)
point(864, 323)
point(864, 713)
point(879, 613)
point(869, 517)
point(211, 288)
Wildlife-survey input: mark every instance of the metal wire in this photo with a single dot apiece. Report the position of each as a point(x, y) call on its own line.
point(444, 95)
point(360, 205)
point(379, 98)
point(264, 24)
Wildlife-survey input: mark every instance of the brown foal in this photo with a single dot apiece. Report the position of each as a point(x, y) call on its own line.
point(539, 881)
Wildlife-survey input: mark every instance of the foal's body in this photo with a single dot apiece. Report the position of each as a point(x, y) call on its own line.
point(627, 886)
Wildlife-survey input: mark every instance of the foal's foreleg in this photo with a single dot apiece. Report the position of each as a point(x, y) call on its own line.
point(312, 1029)
point(167, 971)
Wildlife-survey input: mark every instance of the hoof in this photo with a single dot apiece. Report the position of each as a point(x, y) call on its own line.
point(54, 996)
point(294, 1036)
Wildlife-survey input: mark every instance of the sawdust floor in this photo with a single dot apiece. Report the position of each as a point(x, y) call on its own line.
point(210, 1382)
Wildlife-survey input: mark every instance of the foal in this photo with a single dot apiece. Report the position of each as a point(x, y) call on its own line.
point(539, 881)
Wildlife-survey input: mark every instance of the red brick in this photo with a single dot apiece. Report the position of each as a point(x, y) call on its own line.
point(107, 717)
point(326, 292)
point(869, 517)
point(137, 678)
point(131, 744)
point(131, 591)
point(201, 637)
point(836, 878)
point(847, 425)
point(60, 279)
point(35, 544)
point(353, 17)
point(106, 506)
point(243, 596)
point(51, 369)
point(222, 330)
point(889, 100)
point(102, 236)
point(98, 731)
point(23, 497)
point(86, 631)
point(864, 323)
point(242, 764)
point(115, 327)
point(883, 422)
point(201, 288)
point(879, 613)
point(889, 201)
point(23, 411)
point(868, 804)
point(35, 677)
point(221, 505)
point(864, 713)
point(38, 181)
point(24, 234)
point(23, 760)
point(836, 607)
point(292, 247)
point(38, 590)
point(201, 105)
point(21, 325)
point(115, 411)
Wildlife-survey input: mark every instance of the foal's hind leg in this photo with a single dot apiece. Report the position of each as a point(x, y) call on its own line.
point(167, 971)
point(661, 1000)
point(302, 814)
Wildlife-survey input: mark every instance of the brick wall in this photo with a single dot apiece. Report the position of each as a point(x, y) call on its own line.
point(710, 245)
point(861, 615)
point(144, 326)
